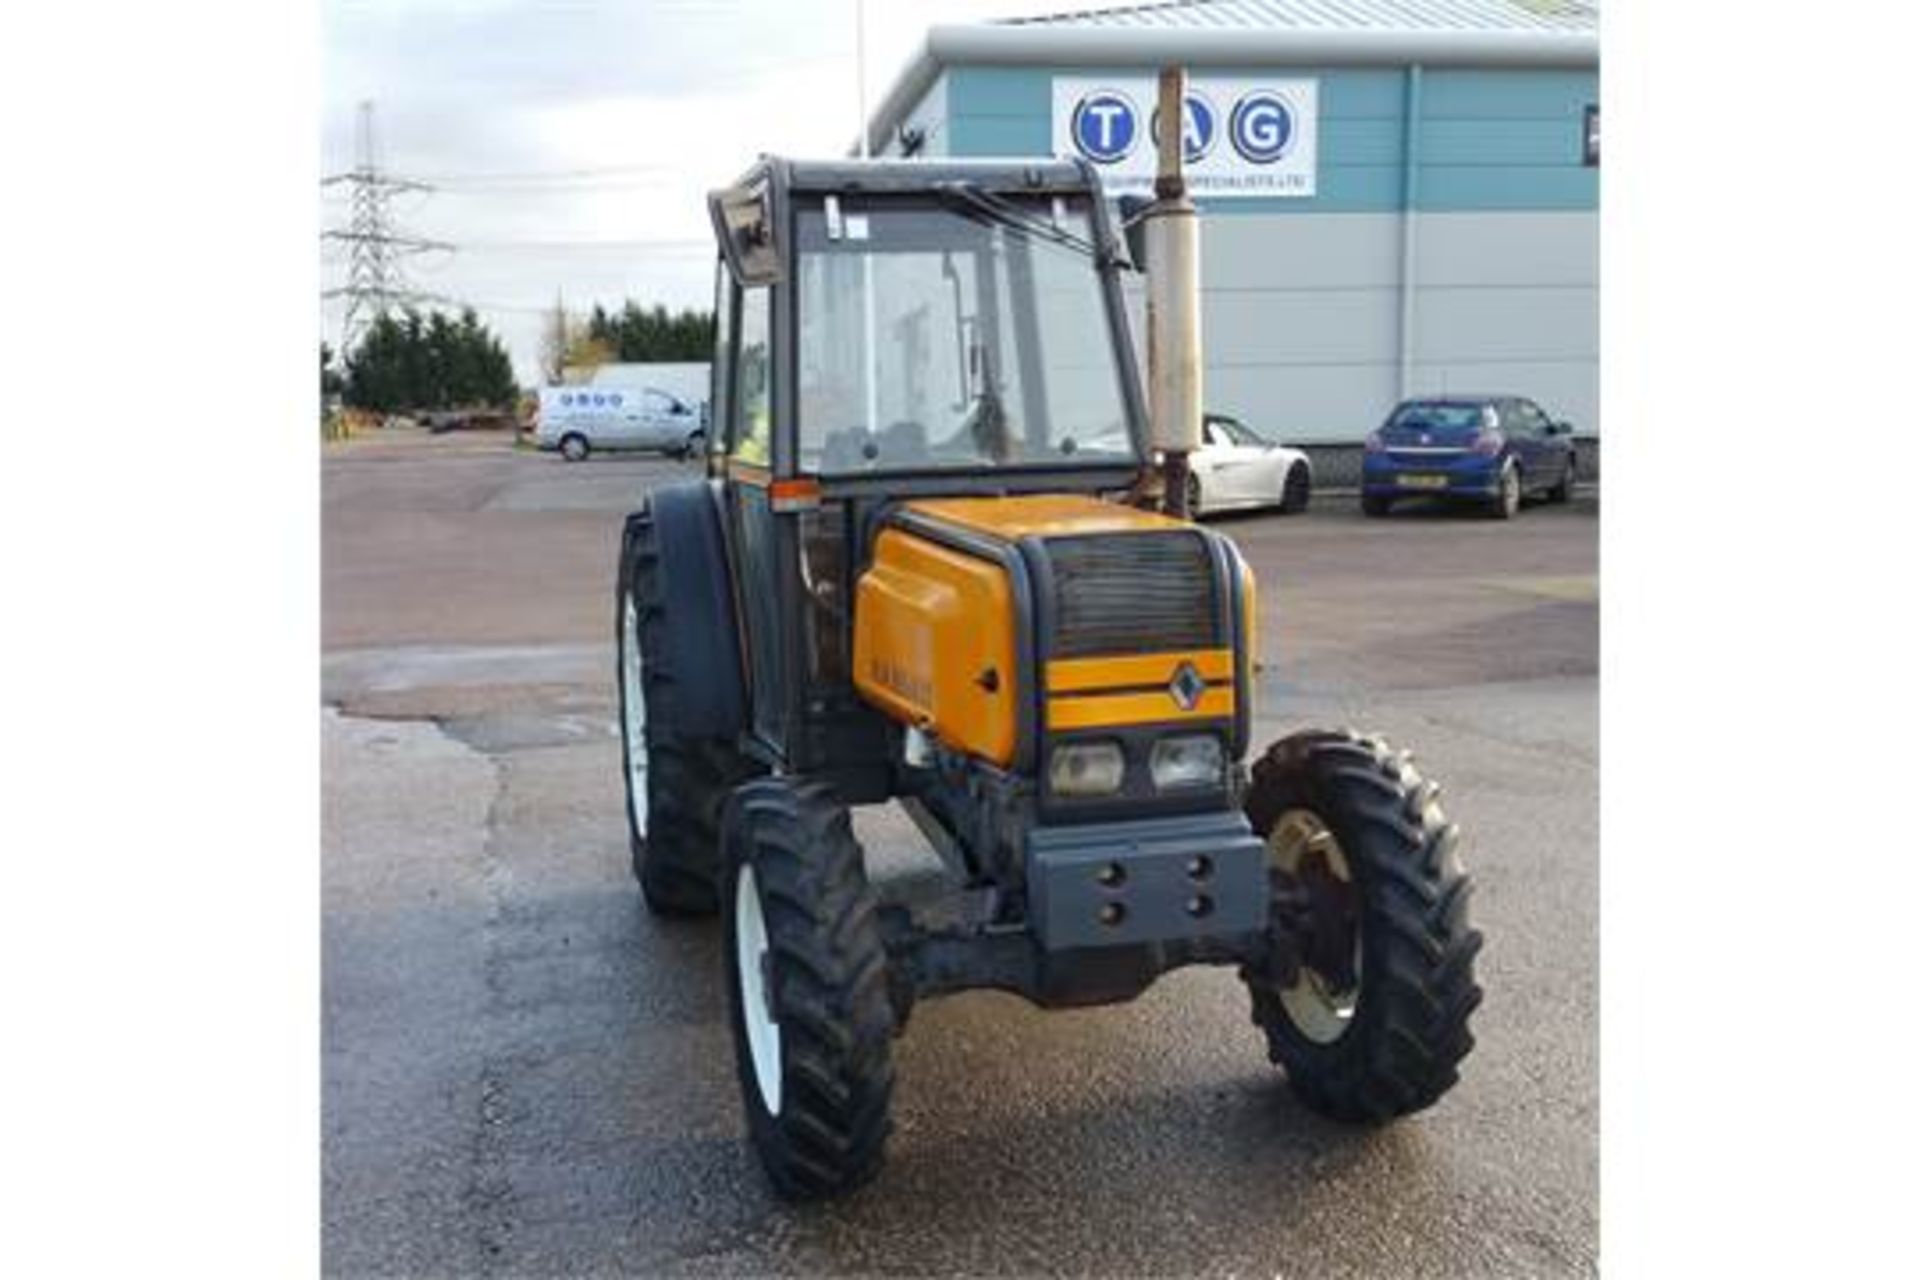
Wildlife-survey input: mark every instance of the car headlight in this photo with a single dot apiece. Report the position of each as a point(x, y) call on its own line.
point(1087, 769)
point(1194, 760)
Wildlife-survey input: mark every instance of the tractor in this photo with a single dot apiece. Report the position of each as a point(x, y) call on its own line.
point(921, 569)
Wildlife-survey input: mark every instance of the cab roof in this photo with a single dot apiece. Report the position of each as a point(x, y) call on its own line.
point(1009, 174)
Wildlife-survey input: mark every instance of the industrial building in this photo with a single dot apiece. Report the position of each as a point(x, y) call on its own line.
point(1399, 197)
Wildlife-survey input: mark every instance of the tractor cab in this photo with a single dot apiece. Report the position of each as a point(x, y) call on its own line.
point(890, 331)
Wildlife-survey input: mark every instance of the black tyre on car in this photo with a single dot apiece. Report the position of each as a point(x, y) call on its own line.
point(1506, 500)
point(1296, 491)
point(1562, 490)
point(809, 1008)
point(574, 447)
point(1374, 504)
point(676, 782)
point(1368, 986)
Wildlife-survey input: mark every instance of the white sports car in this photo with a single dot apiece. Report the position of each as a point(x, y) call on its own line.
point(1238, 468)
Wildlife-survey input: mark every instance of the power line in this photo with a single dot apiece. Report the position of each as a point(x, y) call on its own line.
point(375, 283)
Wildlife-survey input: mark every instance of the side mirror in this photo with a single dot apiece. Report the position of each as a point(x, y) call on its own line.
point(1134, 230)
point(743, 224)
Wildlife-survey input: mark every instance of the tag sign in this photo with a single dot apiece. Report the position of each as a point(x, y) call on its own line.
point(1239, 136)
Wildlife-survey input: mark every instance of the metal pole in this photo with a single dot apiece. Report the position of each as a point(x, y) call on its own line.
point(1175, 386)
point(872, 363)
point(860, 69)
point(1409, 228)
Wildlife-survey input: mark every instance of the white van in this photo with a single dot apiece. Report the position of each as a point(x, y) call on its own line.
point(578, 420)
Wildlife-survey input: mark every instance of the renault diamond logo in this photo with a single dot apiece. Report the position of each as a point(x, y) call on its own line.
point(1186, 687)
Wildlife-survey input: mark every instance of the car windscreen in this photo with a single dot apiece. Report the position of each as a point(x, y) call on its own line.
point(1438, 416)
point(935, 335)
point(1240, 433)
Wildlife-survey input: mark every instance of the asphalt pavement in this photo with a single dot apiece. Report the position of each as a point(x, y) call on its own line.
point(525, 1074)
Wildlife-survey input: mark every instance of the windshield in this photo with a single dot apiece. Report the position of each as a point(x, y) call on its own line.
point(1238, 432)
point(936, 334)
point(1437, 416)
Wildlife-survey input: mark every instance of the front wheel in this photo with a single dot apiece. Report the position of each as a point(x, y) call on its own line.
point(574, 447)
point(1368, 984)
point(1297, 491)
point(812, 1020)
point(1563, 490)
point(695, 446)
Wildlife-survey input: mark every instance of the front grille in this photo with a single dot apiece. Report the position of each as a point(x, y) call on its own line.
point(1133, 593)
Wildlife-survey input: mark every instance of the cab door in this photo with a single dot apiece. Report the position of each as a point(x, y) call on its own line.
point(753, 529)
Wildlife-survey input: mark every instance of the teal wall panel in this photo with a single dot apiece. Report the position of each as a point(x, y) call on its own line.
point(1457, 94)
point(1540, 142)
point(1030, 135)
point(1463, 188)
point(1489, 139)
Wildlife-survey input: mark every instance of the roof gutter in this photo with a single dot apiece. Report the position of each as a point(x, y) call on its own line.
point(1149, 47)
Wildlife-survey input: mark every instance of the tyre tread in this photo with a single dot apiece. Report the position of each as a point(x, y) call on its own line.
point(1410, 1031)
point(830, 990)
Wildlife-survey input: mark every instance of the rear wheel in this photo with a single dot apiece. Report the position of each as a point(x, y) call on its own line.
point(1368, 986)
point(811, 1018)
point(574, 447)
point(1375, 504)
point(1193, 496)
point(1506, 500)
point(1297, 490)
point(675, 783)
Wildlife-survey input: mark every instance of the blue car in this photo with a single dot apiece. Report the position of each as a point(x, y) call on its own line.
point(1492, 450)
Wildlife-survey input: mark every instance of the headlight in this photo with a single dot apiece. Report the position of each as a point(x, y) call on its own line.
point(1195, 760)
point(1087, 769)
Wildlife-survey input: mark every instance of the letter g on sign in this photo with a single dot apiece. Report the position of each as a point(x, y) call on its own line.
point(1261, 126)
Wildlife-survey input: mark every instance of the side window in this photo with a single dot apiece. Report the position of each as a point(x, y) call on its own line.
point(752, 427)
point(720, 384)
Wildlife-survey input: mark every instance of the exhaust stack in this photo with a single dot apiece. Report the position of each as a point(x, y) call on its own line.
point(1175, 374)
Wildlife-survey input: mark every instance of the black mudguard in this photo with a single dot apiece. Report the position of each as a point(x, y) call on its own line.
point(698, 650)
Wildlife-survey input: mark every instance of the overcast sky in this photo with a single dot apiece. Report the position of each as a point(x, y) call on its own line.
point(572, 141)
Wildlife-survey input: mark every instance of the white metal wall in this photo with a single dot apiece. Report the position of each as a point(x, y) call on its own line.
point(1302, 315)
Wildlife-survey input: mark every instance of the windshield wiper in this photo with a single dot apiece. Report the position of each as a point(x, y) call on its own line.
point(1010, 215)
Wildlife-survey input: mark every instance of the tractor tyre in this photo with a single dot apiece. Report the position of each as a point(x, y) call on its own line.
point(812, 1020)
point(676, 784)
point(1368, 986)
point(1296, 491)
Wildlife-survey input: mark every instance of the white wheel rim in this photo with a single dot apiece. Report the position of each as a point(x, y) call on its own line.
point(1320, 1014)
point(633, 704)
point(750, 948)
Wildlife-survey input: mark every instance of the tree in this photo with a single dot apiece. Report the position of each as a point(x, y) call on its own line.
point(412, 362)
point(331, 383)
point(553, 343)
point(640, 334)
